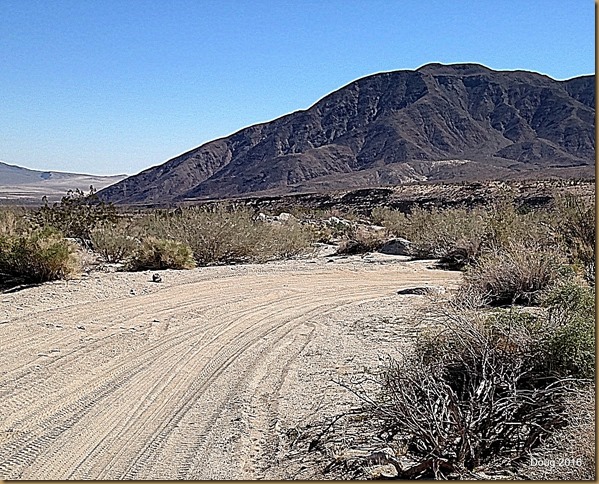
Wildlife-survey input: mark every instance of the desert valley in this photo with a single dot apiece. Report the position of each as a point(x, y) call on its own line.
point(395, 283)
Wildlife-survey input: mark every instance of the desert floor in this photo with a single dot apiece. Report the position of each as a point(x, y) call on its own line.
point(200, 376)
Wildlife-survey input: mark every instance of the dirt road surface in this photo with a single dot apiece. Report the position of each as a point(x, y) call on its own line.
point(112, 376)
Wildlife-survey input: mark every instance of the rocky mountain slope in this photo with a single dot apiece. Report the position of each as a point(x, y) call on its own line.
point(25, 186)
point(440, 122)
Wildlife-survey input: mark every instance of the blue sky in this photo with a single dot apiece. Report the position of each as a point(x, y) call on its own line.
point(111, 87)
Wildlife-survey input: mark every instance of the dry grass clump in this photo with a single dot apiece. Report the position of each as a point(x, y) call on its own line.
point(515, 273)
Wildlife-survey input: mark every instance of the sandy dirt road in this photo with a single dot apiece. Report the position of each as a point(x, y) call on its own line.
point(115, 377)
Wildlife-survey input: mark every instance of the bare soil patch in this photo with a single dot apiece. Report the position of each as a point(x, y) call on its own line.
point(200, 376)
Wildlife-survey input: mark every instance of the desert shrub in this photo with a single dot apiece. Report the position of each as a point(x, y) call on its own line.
point(476, 394)
point(568, 455)
point(360, 239)
point(507, 224)
point(516, 273)
point(436, 233)
point(283, 241)
point(38, 256)
point(13, 222)
point(156, 254)
point(219, 234)
point(76, 215)
point(570, 349)
point(574, 220)
point(113, 241)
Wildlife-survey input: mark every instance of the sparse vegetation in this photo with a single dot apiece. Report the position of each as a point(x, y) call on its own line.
point(156, 254)
point(37, 256)
point(76, 215)
point(513, 274)
point(361, 240)
point(479, 393)
point(224, 234)
point(113, 242)
point(489, 388)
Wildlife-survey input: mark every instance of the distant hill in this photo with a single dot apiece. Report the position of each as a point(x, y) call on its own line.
point(440, 122)
point(22, 185)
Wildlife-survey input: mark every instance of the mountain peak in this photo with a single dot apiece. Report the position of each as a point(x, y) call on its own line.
point(439, 122)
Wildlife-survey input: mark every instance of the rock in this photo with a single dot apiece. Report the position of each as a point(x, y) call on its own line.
point(81, 327)
point(337, 221)
point(285, 217)
point(397, 246)
point(387, 471)
point(156, 278)
point(417, 291)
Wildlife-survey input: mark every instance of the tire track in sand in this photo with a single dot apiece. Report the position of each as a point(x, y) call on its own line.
point(158, 403)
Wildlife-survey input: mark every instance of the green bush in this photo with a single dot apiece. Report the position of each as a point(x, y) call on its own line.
point(39, 256)
point(156, 254)
point(570, 349)
point(222, 234)
point(76, 215)
point(113, 242)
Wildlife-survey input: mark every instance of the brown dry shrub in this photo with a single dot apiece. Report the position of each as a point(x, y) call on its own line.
point(360, 240)
point(156, 254)
point(568, 455)
point(516, 273)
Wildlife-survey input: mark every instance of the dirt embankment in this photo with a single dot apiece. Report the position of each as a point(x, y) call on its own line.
point(115, 377)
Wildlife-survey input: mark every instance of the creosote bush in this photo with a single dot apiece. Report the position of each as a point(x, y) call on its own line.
point(113, 241)
point(570, 348)
point(37, 256)
point(220, 234)
point(76, 215)
point(156, 254)
point(436, 233)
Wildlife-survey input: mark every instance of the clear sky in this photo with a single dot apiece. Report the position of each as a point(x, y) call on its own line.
point(106, 87)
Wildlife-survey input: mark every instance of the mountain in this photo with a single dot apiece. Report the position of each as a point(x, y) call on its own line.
point(439, 122)
point(22, 185)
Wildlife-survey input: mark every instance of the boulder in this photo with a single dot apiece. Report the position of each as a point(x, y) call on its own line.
point(286, 217)
point(397, 246)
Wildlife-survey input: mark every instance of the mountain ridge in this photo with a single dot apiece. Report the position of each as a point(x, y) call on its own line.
point(388, 128)
point(27, 186)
